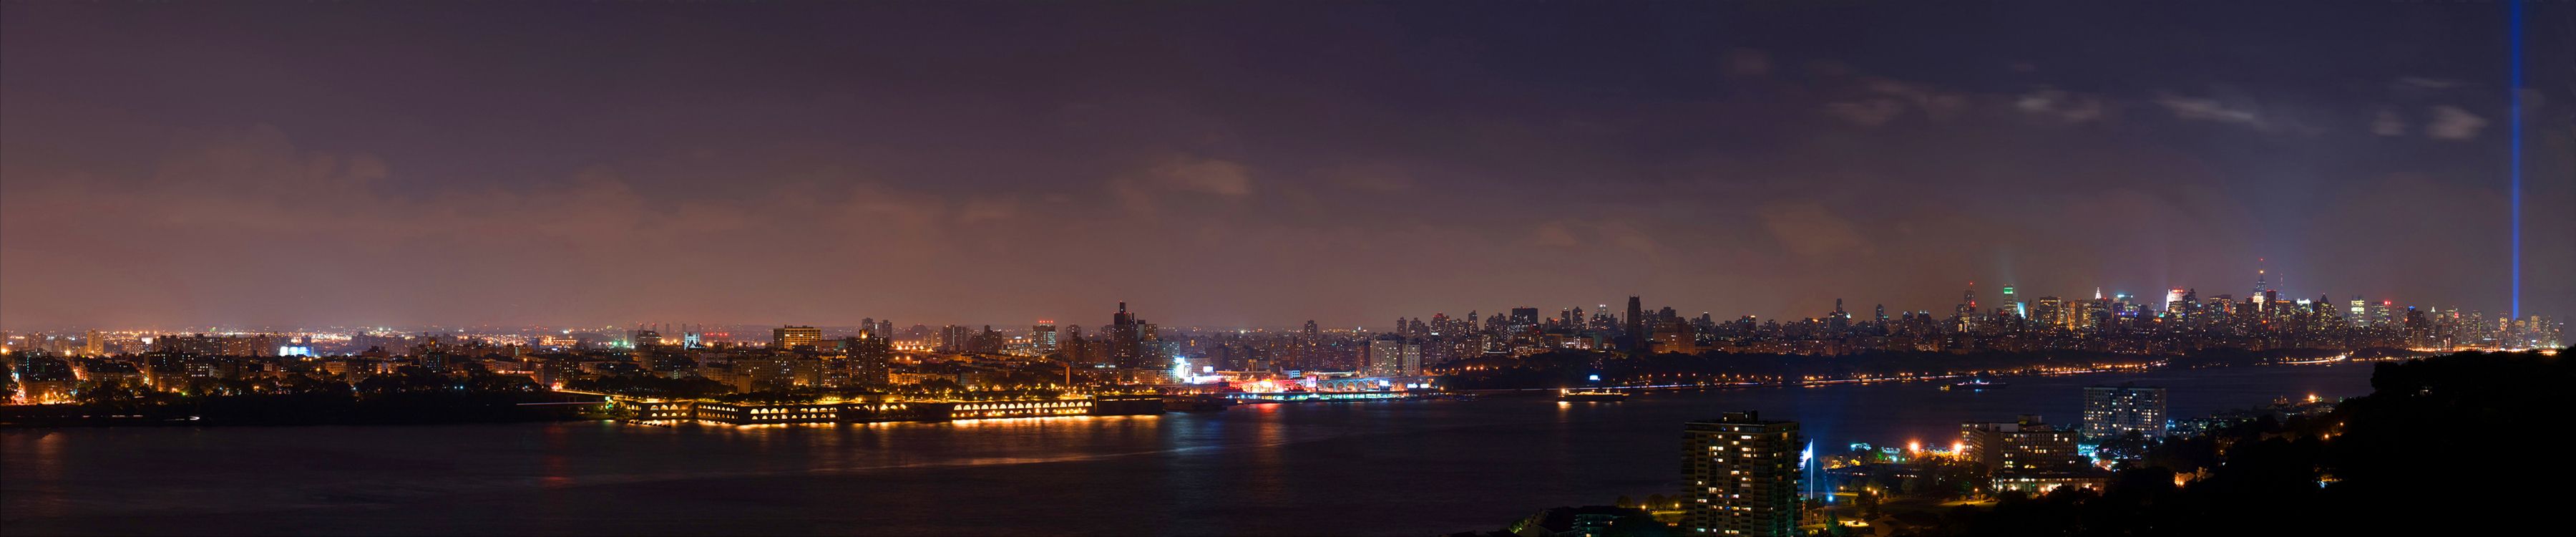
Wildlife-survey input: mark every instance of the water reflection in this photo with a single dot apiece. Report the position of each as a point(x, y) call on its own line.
point(1406, 468)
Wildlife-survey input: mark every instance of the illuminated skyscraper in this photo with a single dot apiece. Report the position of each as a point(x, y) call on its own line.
point(1743, 473)
point(869, 355)
point(792, 337)
point(1392, 355)
point(2011, 305)
point(1127, 340)
point(2119, 411)
point(1044, 336)
point(1967, 314)
point(2050, 311)
point(956, 338)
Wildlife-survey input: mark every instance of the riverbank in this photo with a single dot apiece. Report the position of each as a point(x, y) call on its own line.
point(510, 407)
point(2167, 363)
point(1453, 464)
point(315, 409)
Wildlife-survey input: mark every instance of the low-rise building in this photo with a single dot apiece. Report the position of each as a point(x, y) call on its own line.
point(2025, 445)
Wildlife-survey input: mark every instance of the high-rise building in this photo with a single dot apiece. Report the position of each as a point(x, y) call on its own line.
point(2049, 311)
point(2119, 411)
point(1391, 355)
point(2419, 330)
point(1127, 340)
point(1044, 336)
point(1675, 336)
point(1744, 475)
point(1967, 313)
point(2025, 445)
point(1637, 323)
point(789, 337)
point(956, 338)
point(2011, 306)
point(868, 360)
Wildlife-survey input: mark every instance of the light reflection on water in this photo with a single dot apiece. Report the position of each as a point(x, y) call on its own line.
point(1398, 468)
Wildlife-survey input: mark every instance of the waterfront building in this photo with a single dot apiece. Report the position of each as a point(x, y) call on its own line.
point(659, 411)
point(1391, 355)
point(757, 414)
point(43, 379)
point(1743, 474)
point(2119, 411)
point(876, 409)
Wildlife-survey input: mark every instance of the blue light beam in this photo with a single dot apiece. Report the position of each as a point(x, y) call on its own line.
point(2513, 96)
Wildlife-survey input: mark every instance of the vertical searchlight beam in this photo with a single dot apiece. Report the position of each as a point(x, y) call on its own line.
point(2513, 117)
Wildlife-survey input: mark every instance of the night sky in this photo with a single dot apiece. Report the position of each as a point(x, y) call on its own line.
point(1254, 164)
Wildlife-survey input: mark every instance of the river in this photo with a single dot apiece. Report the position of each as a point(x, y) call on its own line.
point(1370, 468)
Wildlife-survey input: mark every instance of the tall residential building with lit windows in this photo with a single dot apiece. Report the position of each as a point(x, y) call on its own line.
point(1391, 355)
point(795, 337)
point(1043, 334)
point(1127, 340)
point(2118, 411)
point(1743, 474)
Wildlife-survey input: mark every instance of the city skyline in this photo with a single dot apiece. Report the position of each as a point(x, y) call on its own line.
point(1501, 268)
point(2150, 300)
point(2150, 304)
point(306, 165)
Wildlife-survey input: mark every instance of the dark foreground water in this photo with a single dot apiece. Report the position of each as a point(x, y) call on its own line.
point(1382, 468)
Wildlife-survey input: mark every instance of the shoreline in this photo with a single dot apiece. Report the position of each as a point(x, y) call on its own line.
point(173, 417)
point(2160, 365)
